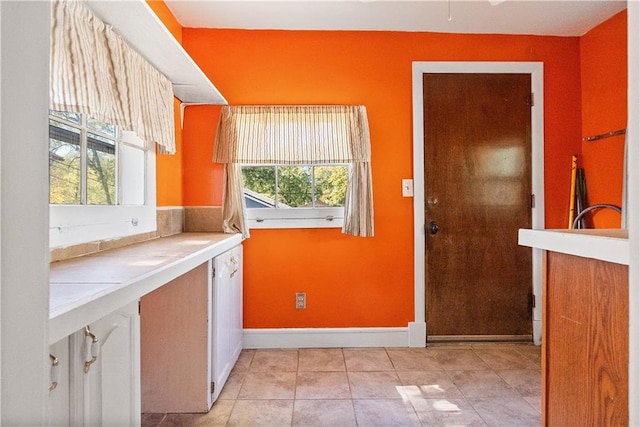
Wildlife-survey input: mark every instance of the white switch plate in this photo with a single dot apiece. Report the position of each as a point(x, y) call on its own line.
point(407, 188)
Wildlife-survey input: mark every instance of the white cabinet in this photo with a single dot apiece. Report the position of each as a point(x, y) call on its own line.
point(227, 318)
point(58, 401)
point(104, 370)
point(191, 336)
point(97, 373)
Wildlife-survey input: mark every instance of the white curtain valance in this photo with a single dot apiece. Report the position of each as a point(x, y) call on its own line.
point(94, 71)
point(308, 134)
point(296, 134)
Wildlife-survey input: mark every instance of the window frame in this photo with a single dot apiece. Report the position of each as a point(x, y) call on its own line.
point(295, 217)
point(72, 224)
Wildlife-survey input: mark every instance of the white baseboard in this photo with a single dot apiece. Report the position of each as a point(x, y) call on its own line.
point(537, 332)
point(325, 337)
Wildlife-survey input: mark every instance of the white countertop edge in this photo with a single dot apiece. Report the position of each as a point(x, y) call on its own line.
point(609, 249)
point(64, 323)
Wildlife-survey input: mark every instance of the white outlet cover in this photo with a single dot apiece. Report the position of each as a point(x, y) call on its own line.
point(407, 188)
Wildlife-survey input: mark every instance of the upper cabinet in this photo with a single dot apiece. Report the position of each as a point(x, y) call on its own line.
point(143, 30)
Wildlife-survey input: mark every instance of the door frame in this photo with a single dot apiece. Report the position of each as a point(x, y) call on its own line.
point(417, 328)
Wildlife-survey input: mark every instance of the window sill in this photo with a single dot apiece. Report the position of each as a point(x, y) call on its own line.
point(275, 223)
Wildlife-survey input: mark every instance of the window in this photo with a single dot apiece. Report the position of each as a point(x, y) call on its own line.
point(295, 195)
point(303, 141)
point(82, 160)
point(101, 180)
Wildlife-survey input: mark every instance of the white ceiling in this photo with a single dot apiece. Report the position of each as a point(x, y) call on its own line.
point(541, 17)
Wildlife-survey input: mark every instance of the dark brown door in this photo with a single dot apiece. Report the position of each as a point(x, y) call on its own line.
point(477, 131)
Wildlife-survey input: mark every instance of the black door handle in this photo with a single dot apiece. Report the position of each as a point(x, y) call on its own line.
point(433, 227)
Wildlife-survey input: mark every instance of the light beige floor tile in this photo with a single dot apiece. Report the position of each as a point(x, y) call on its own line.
point(321, 359)
point(152, 420)
point(387, 412)
point(406, 359)
point(217, 416)
point(536, 402)
point(525, 381)
point(324, 413)
point(322, 385)
point(505, 358)
point(506, 412)
point(458, 359)
point(268, 413)
point(481, 384)
point(447, 412)
point(268, 385)
point(244, 360)
point(367, 359)
point(428, 384)
point(275, 360)
point(532, 352)
point(375, 385)
point(232, 386)
point(220, 412)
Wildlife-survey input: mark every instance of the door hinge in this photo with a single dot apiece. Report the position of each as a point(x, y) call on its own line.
point(531, 100)
point(213, 387)
point(532, 301)
point(533, 201)
point(139, 307)
point(213, 272)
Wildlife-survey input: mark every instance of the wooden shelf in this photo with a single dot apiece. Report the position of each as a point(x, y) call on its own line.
point(143, 30)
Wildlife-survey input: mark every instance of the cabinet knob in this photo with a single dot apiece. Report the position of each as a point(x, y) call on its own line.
point(55, 372)
point(94, 349)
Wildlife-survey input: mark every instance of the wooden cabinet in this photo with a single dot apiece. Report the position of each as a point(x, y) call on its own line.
point(191, 336)
point(585, 342)
point(97, 373)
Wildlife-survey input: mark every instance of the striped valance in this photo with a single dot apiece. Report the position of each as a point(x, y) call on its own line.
point(95, 72)
point(296, 134)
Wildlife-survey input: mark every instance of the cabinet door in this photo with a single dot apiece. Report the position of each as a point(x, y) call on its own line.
point(58, 402)
point(227, 316)
point(106, 370)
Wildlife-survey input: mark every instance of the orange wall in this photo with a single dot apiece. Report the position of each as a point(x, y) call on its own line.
point(169, 168)
point(603, 64)
point(353, 281)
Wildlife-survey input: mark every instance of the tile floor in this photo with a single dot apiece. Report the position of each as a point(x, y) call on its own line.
point(441, 385)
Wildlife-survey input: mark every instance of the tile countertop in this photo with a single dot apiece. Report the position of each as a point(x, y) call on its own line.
point(88, 288)
point(611, 245)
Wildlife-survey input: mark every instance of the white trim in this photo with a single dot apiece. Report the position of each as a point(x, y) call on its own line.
point(295, 217)
point(324, 337)
point(537, 167)
point(24, 216)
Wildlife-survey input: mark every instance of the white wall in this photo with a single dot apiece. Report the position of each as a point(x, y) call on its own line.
point(24, 281)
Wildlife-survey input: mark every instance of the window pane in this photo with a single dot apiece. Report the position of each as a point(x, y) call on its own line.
point(259, 186)
point(101, 170)
point(330, 185)
point(64, 164)
point(72, 117)
point(98, 126)
point(294, 186)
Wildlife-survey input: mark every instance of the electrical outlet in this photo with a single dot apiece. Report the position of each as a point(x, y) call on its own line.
point(301, 301)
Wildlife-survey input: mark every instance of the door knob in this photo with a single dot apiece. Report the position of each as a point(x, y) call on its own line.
point(433, 227)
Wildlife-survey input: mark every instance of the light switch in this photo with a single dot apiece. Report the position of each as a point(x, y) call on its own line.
point(407, 188)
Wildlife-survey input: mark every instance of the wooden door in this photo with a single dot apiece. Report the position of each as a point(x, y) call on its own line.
point(477, 131)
